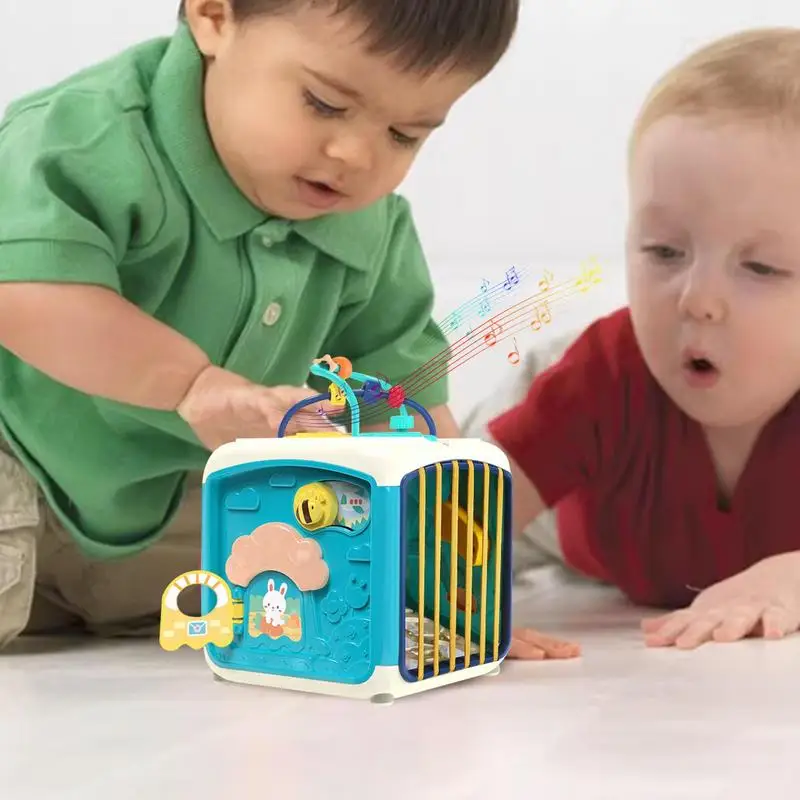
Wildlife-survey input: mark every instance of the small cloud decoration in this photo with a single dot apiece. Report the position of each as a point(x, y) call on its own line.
point(243, 500)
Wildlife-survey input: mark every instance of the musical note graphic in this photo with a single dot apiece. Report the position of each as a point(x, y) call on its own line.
point(452, 323)
point(590, 275)
point(490, 337)
point(484, 307)
point(541, 316)
point(512, 279)
point(481, 305)
point(529, 313)
point(513, 356)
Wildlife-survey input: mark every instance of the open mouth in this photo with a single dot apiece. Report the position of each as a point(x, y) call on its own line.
point(323, 187)
point(700, 370)
point(702, 366)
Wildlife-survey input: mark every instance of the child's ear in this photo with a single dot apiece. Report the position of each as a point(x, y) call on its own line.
point(211, 23)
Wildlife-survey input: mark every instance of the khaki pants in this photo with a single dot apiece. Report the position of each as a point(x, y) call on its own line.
point(47, 585)
point(538, 544)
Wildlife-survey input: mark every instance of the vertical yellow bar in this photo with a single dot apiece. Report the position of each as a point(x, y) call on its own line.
point(437, 570)
point(470, 556)
point(485, 565)
point(454, 506)
point(421, 611)
point(498, 560)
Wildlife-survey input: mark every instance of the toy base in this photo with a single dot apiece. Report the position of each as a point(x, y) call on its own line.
point(385, 685)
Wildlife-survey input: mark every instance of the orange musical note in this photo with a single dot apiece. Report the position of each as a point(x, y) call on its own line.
point(490, 338)
point(513, 356)
point(544, 283)
point(541, 316)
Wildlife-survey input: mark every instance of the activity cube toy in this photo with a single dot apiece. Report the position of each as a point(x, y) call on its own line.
point(368, 565)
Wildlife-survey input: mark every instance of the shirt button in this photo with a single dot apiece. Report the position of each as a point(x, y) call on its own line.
point(267, 241)
point(272, 314)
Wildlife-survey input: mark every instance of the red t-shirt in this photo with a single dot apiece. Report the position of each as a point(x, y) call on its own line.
point(632, 480)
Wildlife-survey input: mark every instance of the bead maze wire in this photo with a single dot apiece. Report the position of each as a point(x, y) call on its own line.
point(533, 313)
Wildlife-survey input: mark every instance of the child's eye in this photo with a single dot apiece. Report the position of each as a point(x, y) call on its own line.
point(320, 106)
point(662, 252)
point(761, 269)
point(402, 139)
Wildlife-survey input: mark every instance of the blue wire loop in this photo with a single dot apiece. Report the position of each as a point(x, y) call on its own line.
point(351, 396)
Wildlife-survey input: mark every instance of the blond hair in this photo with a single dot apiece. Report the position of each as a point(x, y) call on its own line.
point(753, 75)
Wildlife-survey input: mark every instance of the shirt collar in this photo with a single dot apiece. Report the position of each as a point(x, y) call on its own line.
point(179, 121)
point(352, 238)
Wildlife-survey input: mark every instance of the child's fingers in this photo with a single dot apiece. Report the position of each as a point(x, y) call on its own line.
point(699, 631)
point(654, 624)
point(524, 651)
point(314, 416)
point(669, 628)
point(738, 622)
point(778, 622)
point(538, 646)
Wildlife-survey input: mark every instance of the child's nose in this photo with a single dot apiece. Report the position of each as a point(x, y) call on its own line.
point(354, 150)
point(702, 299)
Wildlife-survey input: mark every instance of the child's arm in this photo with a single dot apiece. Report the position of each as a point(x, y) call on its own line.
point(91, 339)
point(527, 503)
point(95, 341)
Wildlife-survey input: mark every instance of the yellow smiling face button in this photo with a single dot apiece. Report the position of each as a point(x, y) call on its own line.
point(315, 506)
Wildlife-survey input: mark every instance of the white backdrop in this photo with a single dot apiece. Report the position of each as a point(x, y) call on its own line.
point(530, 168)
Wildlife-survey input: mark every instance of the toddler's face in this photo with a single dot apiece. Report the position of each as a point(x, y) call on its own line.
point(305, 120)
point(714, 265)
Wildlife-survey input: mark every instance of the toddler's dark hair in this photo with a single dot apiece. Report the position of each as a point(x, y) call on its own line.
point(422, 35)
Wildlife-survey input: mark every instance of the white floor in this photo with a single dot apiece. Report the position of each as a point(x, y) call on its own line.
point(129, 721)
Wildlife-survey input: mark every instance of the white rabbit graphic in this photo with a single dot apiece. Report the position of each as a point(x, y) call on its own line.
point(274, 604)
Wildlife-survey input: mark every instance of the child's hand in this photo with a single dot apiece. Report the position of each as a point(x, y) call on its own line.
point(764, 600)
point(222, 406)
point(531, 645)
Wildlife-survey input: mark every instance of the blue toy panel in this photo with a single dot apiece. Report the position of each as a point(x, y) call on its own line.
point(306, 592)
point(482, 604)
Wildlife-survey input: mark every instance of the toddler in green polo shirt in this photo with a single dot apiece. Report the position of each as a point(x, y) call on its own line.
point(183, 229)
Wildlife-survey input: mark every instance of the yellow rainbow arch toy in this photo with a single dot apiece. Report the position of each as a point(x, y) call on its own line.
point(216, 627)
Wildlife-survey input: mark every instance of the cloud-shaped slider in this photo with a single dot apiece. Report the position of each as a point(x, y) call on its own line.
point(277, 547)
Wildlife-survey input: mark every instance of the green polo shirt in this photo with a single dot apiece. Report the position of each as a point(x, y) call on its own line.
point(110, 178)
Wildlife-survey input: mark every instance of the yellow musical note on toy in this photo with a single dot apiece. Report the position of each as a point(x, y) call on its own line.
point(216, 627)
point(337, 395)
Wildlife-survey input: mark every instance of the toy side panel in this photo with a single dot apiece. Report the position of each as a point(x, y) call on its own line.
point(464, 582)
point(305, 576)
point(386, 571)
